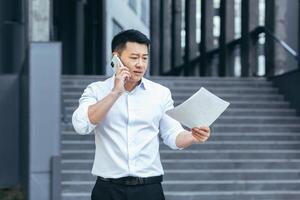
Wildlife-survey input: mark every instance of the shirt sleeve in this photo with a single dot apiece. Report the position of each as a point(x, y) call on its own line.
point(80, 119)
point(169, 128)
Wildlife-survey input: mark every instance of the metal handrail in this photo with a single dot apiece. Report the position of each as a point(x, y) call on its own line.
point(232, 44)
point(282, 43)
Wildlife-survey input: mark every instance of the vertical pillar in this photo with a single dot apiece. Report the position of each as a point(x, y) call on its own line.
point(44, 117)
point(245, 39)
point(298, 35)
point(230, 14)
point(176, 34)
point(222, 39)
point(155, 36)
point(100, 35)
point(270, 45)
point(226, 59)
point(191, 47)
point(249, 21)
point(253, 44)
point(39, 20)
point(80, 37)
point(206, 44)
point(165, 36)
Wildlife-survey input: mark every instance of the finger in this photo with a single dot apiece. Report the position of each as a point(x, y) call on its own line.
point(123, 68)
point(203, 128)
point(199, 137)
point(206, 131)
point(201, 132)
point(122, 73)
point(125, 74)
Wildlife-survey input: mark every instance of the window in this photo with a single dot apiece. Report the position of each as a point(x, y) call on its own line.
point(117, 28)
point(132, 5)
point(145, 12)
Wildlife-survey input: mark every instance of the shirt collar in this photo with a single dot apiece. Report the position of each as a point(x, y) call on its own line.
point(143, 83)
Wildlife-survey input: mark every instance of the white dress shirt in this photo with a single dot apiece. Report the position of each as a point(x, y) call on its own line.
point(127, 139)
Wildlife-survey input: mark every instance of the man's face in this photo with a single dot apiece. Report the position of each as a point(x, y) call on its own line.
point(135, 57)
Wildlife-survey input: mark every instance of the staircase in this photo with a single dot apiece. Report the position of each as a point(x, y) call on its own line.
point(253, 152)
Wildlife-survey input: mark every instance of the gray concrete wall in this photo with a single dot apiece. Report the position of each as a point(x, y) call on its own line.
point(39, 20)
point(286, 29)
point(9, 129)
point(292, 31)
point(44, 117)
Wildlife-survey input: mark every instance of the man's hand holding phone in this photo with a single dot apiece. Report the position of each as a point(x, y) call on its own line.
point(121, 74)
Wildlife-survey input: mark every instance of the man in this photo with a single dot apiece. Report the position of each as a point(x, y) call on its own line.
point(127, 114)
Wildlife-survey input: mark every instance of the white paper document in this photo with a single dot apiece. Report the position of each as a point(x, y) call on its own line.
point(201, 109)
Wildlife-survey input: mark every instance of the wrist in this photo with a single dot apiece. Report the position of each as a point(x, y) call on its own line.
point(116, 93)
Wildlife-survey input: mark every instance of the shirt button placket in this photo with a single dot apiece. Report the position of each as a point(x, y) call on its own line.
point(129, 139)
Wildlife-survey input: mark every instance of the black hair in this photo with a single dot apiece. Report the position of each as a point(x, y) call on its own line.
point(131, 35)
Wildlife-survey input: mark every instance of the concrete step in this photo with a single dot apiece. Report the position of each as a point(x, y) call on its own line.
point(193, 164)
point(189, 87)
point(201, 154)
point(166, 78)
point(238, 111)
point(234, 104)
point(202, 185)
point(69, 94)
point(236, 127)
point(224, 119)
point(202, 174)
point(211, 195)
point(209, 145)
point(177, 89)
point(175, 80)
point(216, 90)
point(215, 136)
point(231, 195)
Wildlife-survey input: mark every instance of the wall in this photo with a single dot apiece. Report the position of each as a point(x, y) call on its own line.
point(289, 85)
point(286, 29)
point(9, 128)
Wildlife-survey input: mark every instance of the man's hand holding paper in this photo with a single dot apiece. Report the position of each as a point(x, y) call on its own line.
point(201, 134)
point(199, 112)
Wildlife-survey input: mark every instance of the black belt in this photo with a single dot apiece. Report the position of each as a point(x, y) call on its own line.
point(131, 180)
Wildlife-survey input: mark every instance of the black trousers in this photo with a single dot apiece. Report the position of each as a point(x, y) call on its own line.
point(111, 191)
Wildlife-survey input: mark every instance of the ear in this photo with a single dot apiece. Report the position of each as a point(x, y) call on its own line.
point(116, 53)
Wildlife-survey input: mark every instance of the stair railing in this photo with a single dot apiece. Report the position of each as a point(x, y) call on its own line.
point(282, 43)
point(254, 35)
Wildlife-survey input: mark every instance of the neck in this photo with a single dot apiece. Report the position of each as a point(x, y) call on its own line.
point(129, 86)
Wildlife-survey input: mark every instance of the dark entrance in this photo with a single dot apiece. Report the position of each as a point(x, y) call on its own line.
point(80, 26)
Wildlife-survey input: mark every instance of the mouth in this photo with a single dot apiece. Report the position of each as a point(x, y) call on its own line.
point(138, 72)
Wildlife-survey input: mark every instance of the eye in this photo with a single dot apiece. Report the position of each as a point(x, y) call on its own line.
point(134, 58)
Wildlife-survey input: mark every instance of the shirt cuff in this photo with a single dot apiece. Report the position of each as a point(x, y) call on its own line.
point(91, 126)
point(81, 121)
point(171, 140)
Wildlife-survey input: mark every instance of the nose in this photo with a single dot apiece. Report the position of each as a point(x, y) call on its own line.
point(139, 62)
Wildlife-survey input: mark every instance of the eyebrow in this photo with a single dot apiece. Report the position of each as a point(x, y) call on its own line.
point(136, 54)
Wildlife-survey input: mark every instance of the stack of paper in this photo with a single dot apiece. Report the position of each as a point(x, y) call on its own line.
point(201, 109)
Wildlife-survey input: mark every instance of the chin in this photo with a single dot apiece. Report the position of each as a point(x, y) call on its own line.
point(135, 79)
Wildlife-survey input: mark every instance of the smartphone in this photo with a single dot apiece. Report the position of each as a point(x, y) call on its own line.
point(116, 62)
